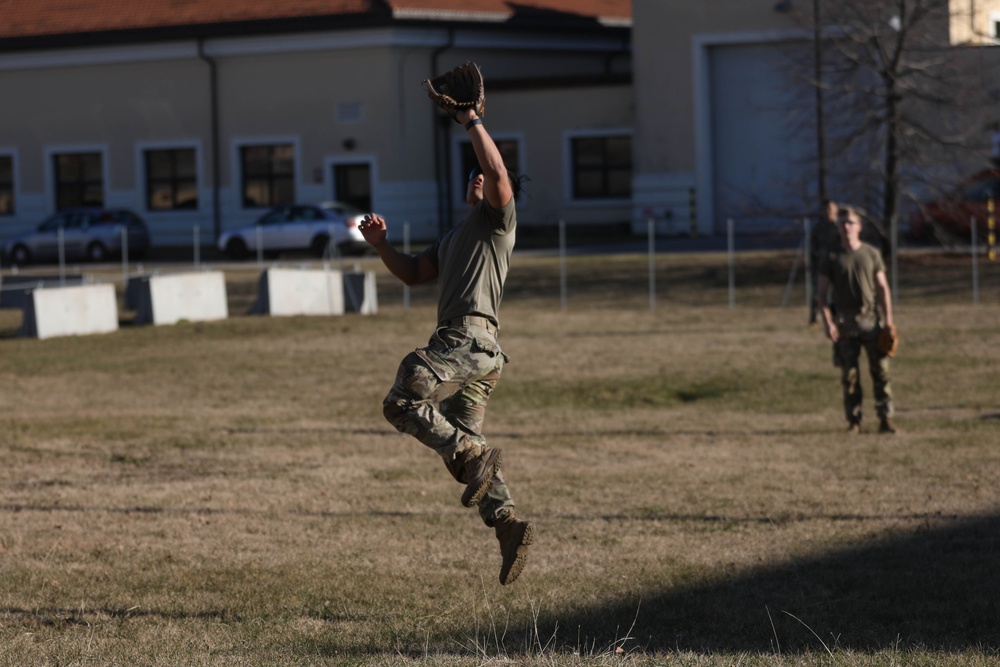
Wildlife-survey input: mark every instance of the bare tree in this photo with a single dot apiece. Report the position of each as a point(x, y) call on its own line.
point(902, 105)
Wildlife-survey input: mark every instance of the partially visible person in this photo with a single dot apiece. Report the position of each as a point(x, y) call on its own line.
point(822, 238)
point(853, 278)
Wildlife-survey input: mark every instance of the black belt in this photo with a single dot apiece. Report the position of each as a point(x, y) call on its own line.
point(473, 320)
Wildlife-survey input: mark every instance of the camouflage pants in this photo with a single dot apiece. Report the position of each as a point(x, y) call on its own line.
point(440, 398)
point(847, 352)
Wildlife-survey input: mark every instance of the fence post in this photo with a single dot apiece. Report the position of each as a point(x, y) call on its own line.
point(808, 264)
point(693, 212)
point(406, 250)
point(991, 229)
point(732, 268)
point(62, 256)
point(562, 264)
point(197, 247)
point(652, 263)
point(124, 257)
point(975, 262)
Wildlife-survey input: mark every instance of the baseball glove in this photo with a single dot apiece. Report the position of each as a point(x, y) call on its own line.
point(888, 341)
point(461, 88)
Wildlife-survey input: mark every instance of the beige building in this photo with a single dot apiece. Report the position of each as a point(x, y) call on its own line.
point(725, 114)
point(204, 119)
point(687, 112)
point(975, 22)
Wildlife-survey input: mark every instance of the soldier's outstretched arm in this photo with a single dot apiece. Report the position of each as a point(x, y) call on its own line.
point(411, 269)
point(496, 187)
point(884, 297)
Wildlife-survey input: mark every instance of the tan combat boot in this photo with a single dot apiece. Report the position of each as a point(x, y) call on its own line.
point(514, 536)
point(479, 465)
point(885, 426)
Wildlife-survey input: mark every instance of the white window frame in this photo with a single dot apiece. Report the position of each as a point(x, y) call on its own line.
point(568, 137)
point(237, 165)
point(142, 181)
point(15, 180)
point(329, 187)
point(66, 149)
point(992, 25)
point(457, 139)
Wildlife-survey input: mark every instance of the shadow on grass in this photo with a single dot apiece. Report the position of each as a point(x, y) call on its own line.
point(936, 589)
point(933, 589)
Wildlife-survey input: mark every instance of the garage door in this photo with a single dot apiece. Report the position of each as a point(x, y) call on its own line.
point(763, 136)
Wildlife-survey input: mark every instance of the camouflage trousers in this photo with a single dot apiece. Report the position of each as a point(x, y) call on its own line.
point(440, 398)
point(847, 354)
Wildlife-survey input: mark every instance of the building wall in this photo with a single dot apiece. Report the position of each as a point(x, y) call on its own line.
point(974, 21)
point(336, 97)
point(557, 115)
point(674, 153)
point(731, 147)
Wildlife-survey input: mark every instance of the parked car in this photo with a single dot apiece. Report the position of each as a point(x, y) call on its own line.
point(93, 234)
point(949, 219)
point(299, 227)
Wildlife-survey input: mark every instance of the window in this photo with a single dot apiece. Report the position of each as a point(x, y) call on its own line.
point(268, 175)
point(79, 179)
point(352, 184)
point(306, 214)
point(6, 185)
point(602, 167)
point(994, 25)
point(276, 217)
point(509, 151)
point(171, 179)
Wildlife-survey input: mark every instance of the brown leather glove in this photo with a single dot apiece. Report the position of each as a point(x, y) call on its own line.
point(461, 88)
point(888, 341)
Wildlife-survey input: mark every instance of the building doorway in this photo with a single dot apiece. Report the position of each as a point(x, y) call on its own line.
point(352, 184)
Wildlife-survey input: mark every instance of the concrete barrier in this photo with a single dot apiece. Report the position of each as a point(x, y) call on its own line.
point(70, 311)
point(168, 299)
point(286, 292)
point(360, 295)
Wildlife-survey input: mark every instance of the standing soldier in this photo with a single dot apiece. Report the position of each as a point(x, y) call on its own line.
point(854, 277)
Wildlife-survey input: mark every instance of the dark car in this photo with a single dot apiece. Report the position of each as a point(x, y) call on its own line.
point(949, 219)
point(299, 228)
point(93, 234)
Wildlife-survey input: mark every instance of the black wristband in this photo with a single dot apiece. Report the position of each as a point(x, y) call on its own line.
point(472, 123)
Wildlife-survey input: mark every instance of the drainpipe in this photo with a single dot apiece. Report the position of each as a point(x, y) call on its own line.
point(609, 59)
point(216, 166)
point(442, 170)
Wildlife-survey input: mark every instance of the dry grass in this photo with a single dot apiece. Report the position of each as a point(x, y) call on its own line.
point(229, 494)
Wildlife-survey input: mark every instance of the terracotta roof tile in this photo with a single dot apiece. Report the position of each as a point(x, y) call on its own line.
point(36, 18)
point(25, 18)
point(608, 10)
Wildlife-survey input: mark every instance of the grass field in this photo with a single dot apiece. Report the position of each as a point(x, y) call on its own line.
point(228, 493)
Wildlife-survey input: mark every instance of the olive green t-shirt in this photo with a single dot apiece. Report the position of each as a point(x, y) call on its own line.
point(852, 279)
point(472, 261)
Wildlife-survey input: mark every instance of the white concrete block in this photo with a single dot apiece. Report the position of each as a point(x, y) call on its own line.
point(169, 299)
point(300, 292)
point(70, 311)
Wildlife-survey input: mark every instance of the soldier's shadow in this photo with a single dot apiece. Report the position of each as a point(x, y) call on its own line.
point(930, 588)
